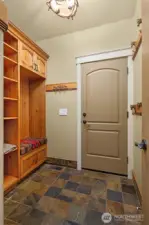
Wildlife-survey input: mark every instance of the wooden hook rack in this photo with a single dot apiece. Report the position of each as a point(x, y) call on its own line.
point(61, 87)
point(137, 109)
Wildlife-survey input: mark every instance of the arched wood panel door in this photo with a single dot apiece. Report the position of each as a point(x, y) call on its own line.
point(104, 115)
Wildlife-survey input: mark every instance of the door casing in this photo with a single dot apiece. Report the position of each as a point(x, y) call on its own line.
point(100, 57)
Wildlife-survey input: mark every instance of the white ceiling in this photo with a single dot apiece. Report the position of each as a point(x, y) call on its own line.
point(33, 17)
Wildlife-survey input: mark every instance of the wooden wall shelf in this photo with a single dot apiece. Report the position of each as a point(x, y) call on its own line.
point(136, 109)
point(9, 62)
point(61, 87)
point(10, 118)
point(9, 50)
point(137, 45)
point(8, 80)
point(10, 99)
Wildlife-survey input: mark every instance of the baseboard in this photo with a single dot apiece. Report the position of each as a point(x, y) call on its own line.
point(62, 162)
point(137, 187)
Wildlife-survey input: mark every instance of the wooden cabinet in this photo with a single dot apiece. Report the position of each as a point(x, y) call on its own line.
point(31, 60)
point(26, 56)
point(30, 161)
point(41, 155)
point(41, 65)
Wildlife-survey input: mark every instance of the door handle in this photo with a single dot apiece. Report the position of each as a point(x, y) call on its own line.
point(142, 145)
point(84, 121)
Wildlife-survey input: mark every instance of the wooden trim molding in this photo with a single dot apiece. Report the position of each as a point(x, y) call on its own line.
point(137, 187)
point(3, 17)
point(62, 162)
point(61, 87)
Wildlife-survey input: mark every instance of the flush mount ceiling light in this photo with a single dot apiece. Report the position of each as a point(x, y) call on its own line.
point(64, 8)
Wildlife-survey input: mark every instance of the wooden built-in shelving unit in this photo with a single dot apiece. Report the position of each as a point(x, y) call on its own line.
point(24, 103)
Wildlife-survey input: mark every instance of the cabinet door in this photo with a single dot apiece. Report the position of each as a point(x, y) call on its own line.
point(28, 164)
point(41, 63)
point(26, 56)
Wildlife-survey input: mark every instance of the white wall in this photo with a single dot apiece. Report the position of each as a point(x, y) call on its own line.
point(63, 50)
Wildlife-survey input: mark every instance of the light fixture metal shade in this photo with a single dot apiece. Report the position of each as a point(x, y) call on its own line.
point(63, 8)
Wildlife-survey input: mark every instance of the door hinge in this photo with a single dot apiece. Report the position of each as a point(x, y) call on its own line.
point(127, 114)
point(127, 70)
point(127, 160)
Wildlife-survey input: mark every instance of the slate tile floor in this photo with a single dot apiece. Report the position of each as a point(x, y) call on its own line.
point(56, 195)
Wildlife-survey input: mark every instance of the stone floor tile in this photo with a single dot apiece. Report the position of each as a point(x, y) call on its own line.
point(9, 206)
point(98, 205)
point(53, 192)
point(84, 189)
point(71, 186)
point(125, 180)
point(60, 183)
point(19, 213)
point(114, 185)
point(115, 208)
point(47, 204)
point(67, 222)
point(65, 176)
point(114, 196)
point(9, 222)
point(32, 200)
point(128, 189)
point(131, 199)
point(81, 199)
point(77, 213)
point(51, 219)
point(99, 190)
point(93, 218)
point(129, 209)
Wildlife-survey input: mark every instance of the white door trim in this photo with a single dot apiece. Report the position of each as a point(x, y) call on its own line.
point(99, 57)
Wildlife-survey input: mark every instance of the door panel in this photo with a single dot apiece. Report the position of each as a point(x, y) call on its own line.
point(104, 100)
point(98, 139)
point(107, 110)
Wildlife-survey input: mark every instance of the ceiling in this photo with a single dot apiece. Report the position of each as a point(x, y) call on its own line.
point(33, 17)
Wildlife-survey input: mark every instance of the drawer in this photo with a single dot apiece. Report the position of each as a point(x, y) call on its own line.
point(41, 155)
point(28, 164)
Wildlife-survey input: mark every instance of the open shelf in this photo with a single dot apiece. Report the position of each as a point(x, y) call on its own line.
point(14, 150)
point(9, 62)
point(9, 50)
point(8, 80)
point(11, 40)
point(10, 99)
point(9, 181)
point(10, 118)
